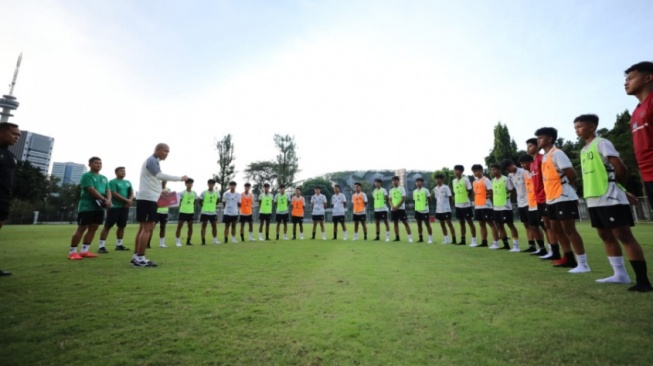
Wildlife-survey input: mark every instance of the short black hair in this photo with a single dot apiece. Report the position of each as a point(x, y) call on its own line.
point(439, 176)
point(266, 184)
point(506, 163)
point(532, 141)
point(358, 184)
point(396, 177)
point(337, 186)
point(645, 67)
point(378, 180)
point(232, 183)
point(4, 126)
point(476, 167)
point(282, 186)
point(189, 180)
point(419, 179)
point(92, 159)
point(317, 187)
point(525, 159)
point(589, 118)
point(211, 181)
point(459, 167)
point(495, 165)
point(548, 131)
point(118, 168)
point(248, 184)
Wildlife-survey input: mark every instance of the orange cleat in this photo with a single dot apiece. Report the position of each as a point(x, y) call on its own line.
point(88, 255)
point(74, 256)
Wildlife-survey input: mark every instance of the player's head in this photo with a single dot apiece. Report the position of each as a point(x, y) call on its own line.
point(161, 151)
point(336, 188)
point(282, 188)
point(495, 169)
point(317, 189)
point(525, 161)
point(586, 125)
point(395, 181)
point(266, 187)
point(298, 191)
point(232, 186)
point(531, 146)
point(639, 77)
point(357, 187)
point(120, 172)
point(419, 182)
point(189, 183)
point(546, 137)
point(211, 183)
point(507, 164)
point(9, 133)
point(458, 170)
point(438, 179)
point(477, 170)
point(377, 182)
point(247, 186)
point(95, 164)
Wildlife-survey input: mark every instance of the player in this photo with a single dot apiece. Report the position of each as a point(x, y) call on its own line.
point(281, 204)
point(561, 200)
point(540, 196)
point(162, 217)
point(462, 188)
point(359, 201)
point(339, 203)
point(186, 212)
point(318, 202)
point(122, 197)
point(380, 196)
point(230, 199)
point(443, 200)
point(9, 135)
point(94, 198)
point(639, 83)
point(422, 197)
point(298, 204)
point(397, 201)
point(534, 219)
point(483, 212)
point(208, 200)
point(604, 176)
point(502, 189)
point(265, 211)
point(246, 212)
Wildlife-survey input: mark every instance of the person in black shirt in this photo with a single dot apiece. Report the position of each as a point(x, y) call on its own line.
point(9, 135)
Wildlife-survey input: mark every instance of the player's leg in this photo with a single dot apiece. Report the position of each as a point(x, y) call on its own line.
point(472, 227)
point(204, 221)
point(267, 229)
point(443, 227)
point(452, 230)
point(285, 228)
point(322, 228)
point(514, 235)
point(233, 229)
point(483, 225)
point(395, 221)
point(419, 228)
point(214, 228)
point(635, 256)
point(377, 221)
point(82, 226)
point(180, 224)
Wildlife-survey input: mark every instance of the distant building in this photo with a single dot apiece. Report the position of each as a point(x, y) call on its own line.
point(35, 148)
point(68, 173)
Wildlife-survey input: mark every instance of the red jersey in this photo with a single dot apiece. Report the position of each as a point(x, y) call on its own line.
point(641, 123)
point(536, 176)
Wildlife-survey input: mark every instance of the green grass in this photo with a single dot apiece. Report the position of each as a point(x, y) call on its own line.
point(313, 303)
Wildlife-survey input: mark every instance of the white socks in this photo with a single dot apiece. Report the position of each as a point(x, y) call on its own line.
point(72, 250)
point(102, 243)
point(473, 240)
point(582, 264)
point(620, 275)
point(85, 247)
point(344, 234)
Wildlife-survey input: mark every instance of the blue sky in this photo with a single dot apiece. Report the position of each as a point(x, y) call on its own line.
point(360, 84)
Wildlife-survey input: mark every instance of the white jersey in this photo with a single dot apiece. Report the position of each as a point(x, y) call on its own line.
point(441, 195)
point(517, 179)
point(318, 202)
point(509, 187)
point(338, 201)
point(561, 162)
point(614, 196)
point(231, 201)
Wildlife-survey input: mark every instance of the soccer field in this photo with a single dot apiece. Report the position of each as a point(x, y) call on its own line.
point(313, 302)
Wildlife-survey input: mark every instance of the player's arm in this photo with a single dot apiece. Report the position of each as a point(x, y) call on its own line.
point(621, 177)
point(344, 203)
point(107, 203)
point(570, 173)
point(451, 199)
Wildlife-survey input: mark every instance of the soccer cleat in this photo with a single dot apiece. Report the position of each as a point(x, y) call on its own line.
point(143, 264)
point(396, 240)
point(377, 239)
point(515, 248)
point(87, 255)
point(420, 240)
point(285, 237)
point(4, 273)
point(495, 246)
point(581, 268)
point(410, 240)
point(482, 245)
point(430, 241)
point(540, 253)
point(121, 248)
point(103, 250)
point(547, 256)
point(233, 240)
point(615, 279)
point(75, 256)
point(301, 236)
point(462, 242)
point(446, 242)
point(529, 250)
point(189, 243)
point(162, 245)
point(641, 287)
point(179, 245)
point(472, 245)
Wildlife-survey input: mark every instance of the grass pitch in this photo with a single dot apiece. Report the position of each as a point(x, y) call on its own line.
point(313, 302)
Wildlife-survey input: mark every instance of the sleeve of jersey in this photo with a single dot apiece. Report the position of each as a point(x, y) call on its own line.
point(561, 160)
point(606, 148)
point(86, 182)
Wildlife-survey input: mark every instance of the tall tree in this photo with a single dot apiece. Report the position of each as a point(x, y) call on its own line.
point(260, 172)
point(448, 177)
point(326, 187)
point(226, 166)
point(287, 159)
point(30, 184)
point(504, 146)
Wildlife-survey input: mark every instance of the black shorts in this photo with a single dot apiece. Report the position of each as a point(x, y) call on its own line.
point(208, 218)
point(162, 218)
point(360, 218)
point(484, 214)
point(563, 210)
point(610, 217)
point(246, 218)
point(541, 208)
point(422, 216)
point(398, 215)
point(380, 215)
point(264, 217)
point(338, 219)
point(86, 218)
point(186, 217)
point(228, 219)
point(443, 216)
point(534, 219)
point(464, 213)
point(318, 217)
point(117, 216)
point(523, 215)
point(503, 216)
point(146, 211)
point(297, 219)
point(282, 217)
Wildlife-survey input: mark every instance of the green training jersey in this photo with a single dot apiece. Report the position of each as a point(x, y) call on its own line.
point(122, 187)
point(86, 200)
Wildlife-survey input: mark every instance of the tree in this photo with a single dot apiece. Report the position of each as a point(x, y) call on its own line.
point(448, 174)
point(504, 147)
point(227, 169)
point(30, 184)
point(308, 187)
point(287, 164)
point(260, 172)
